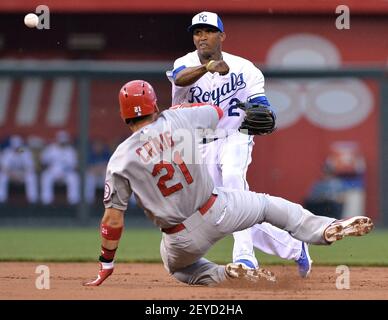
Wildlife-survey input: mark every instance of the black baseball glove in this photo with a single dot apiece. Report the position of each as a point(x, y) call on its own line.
point(259, 119)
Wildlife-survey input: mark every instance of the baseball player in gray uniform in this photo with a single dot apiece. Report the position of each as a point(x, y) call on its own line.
point(179, 196)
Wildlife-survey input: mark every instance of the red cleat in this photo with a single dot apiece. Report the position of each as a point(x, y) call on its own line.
point(102, 275)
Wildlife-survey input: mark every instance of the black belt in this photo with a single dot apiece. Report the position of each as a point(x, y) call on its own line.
point(208, 140)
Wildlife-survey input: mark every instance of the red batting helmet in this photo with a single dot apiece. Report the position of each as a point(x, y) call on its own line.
point(137, 98)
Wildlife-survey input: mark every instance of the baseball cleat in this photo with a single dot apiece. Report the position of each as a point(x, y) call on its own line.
point(102, 275)
point(304, 262)
point(246, 262)
point(354, 226)
point(240, 271)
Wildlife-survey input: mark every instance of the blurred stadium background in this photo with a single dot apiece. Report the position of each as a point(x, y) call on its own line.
point(329, 87)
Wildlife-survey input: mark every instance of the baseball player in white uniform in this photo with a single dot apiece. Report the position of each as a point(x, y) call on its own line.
point(179, 195)
point(212, 76)
point(17, 164)
point(61, 161)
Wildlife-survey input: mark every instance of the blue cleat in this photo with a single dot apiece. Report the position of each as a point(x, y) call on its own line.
point(304, 262)
point(246, 263)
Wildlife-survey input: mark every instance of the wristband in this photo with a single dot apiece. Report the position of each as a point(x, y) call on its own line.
point(208, 64)
point(110, 233)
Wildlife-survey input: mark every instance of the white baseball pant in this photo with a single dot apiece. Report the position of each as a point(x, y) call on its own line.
point(30, 182)
point(71, 178)
point(227, 160)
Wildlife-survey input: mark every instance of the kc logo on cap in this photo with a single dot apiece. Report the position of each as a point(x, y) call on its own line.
point(207, 18)
point(202, 17)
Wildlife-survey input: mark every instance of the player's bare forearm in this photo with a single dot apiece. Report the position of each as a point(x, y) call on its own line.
point(189, 75)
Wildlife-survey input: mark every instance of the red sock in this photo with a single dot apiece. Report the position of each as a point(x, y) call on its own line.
point(107, 255)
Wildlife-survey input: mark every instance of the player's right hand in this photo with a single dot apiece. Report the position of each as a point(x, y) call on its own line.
point(102, 275)
point(219, 66)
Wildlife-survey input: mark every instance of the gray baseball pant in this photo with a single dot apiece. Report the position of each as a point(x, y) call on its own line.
point(234, 210)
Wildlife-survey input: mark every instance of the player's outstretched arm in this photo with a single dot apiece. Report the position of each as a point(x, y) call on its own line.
point(112, 225)
point(190, 75)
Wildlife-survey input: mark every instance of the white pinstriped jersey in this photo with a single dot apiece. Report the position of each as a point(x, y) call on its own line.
point(243, 82)
point(169, 191)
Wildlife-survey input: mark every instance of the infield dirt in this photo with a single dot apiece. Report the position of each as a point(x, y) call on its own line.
point(151, 281)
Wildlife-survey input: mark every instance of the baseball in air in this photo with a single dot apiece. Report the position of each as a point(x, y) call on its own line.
point(31, 20)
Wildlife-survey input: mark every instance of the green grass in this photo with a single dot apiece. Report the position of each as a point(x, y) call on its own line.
point(142, 245)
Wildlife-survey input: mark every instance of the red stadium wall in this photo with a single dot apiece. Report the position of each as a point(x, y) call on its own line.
point(252, 36)
point(289, 161)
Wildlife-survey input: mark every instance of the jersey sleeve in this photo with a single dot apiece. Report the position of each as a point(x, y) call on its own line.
point(256, 83)
point(203, 116)
point(117, 190)
point(178, 94)
point(179, 65)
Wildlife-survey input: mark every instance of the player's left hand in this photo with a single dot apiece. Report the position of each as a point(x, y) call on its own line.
point(101, 277)
point(259, 119)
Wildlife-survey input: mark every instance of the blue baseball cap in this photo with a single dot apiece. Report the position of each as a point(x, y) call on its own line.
point(208, 19)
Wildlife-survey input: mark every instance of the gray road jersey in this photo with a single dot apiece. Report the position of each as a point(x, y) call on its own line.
point(159, 163)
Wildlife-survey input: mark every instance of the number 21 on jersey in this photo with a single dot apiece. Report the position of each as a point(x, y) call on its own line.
point(170, 171)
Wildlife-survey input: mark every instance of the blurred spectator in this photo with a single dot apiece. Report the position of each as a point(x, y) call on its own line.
point(99, 155)
point(60, 159)
point(326, 196)
point(36, 145)
point(17, 165)
point(348, 164)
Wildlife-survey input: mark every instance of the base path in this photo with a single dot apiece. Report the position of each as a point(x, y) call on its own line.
point(135, 281)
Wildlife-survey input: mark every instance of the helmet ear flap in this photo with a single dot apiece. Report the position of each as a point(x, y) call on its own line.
point(137, 98)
